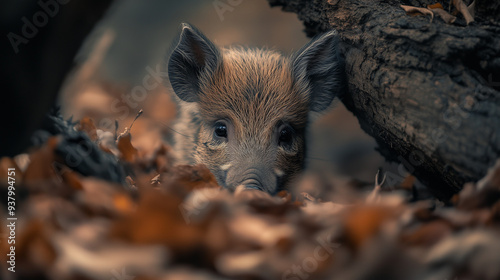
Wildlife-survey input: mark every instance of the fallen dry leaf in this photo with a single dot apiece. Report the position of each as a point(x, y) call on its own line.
point(444, 15)
point(462, 8)
point(159, 220)
point(80, 224)
point(127, 152)
point(362, 223)
point(435, 6)
point(412, 9)
point(87, 125)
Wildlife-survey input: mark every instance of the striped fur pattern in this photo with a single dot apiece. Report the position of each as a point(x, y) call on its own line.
point(261, 97)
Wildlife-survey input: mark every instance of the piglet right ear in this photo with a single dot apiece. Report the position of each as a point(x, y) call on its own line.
point(193, 56)
point(319, 65)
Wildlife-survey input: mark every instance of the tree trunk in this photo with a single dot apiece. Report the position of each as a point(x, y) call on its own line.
point(428, 92)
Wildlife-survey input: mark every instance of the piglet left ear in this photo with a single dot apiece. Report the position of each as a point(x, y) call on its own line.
point(193, 56)
point(319, 65)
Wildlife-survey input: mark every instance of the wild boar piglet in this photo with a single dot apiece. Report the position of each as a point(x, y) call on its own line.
point(244, 113)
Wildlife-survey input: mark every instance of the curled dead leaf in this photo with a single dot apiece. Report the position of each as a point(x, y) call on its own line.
point(435, 6)
point(444, 15)
point(462, 8)
point(127, 152)
point(412, 9)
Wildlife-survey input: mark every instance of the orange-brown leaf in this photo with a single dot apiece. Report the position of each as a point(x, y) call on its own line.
point(363, 222)
point(41, 168)
point(127, 152)
point(87, 125)
point(158, 220)
point(435, 6)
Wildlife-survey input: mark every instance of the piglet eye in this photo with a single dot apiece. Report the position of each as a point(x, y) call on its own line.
point(286, 135)
point(221, 130)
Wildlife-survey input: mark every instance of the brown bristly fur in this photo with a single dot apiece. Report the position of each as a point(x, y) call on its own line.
point(257, 94)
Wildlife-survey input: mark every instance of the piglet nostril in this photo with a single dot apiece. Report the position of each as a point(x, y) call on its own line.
point(262, 179)
point(253, 187)
point(253, 184)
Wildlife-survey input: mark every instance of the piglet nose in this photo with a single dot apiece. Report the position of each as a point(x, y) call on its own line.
point(253, 183)
point(251, 177)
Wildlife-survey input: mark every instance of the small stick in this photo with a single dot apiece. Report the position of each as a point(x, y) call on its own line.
point(127, 129)
point(116, 129)
point(374, 195)
point(136, 117)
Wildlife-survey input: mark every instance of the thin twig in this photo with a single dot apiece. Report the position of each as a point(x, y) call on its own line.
point(136, 117)
point(116, 129)
point(374, 195)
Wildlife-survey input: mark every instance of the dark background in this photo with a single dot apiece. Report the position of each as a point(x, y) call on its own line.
point(134, 36)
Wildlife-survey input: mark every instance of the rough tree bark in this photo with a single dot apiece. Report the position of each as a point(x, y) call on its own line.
point(428, 92)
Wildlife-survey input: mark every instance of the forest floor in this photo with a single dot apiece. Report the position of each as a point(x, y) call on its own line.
point(89, 205)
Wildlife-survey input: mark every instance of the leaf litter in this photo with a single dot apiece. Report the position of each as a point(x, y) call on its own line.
point(460, 7)
point(95, 214)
